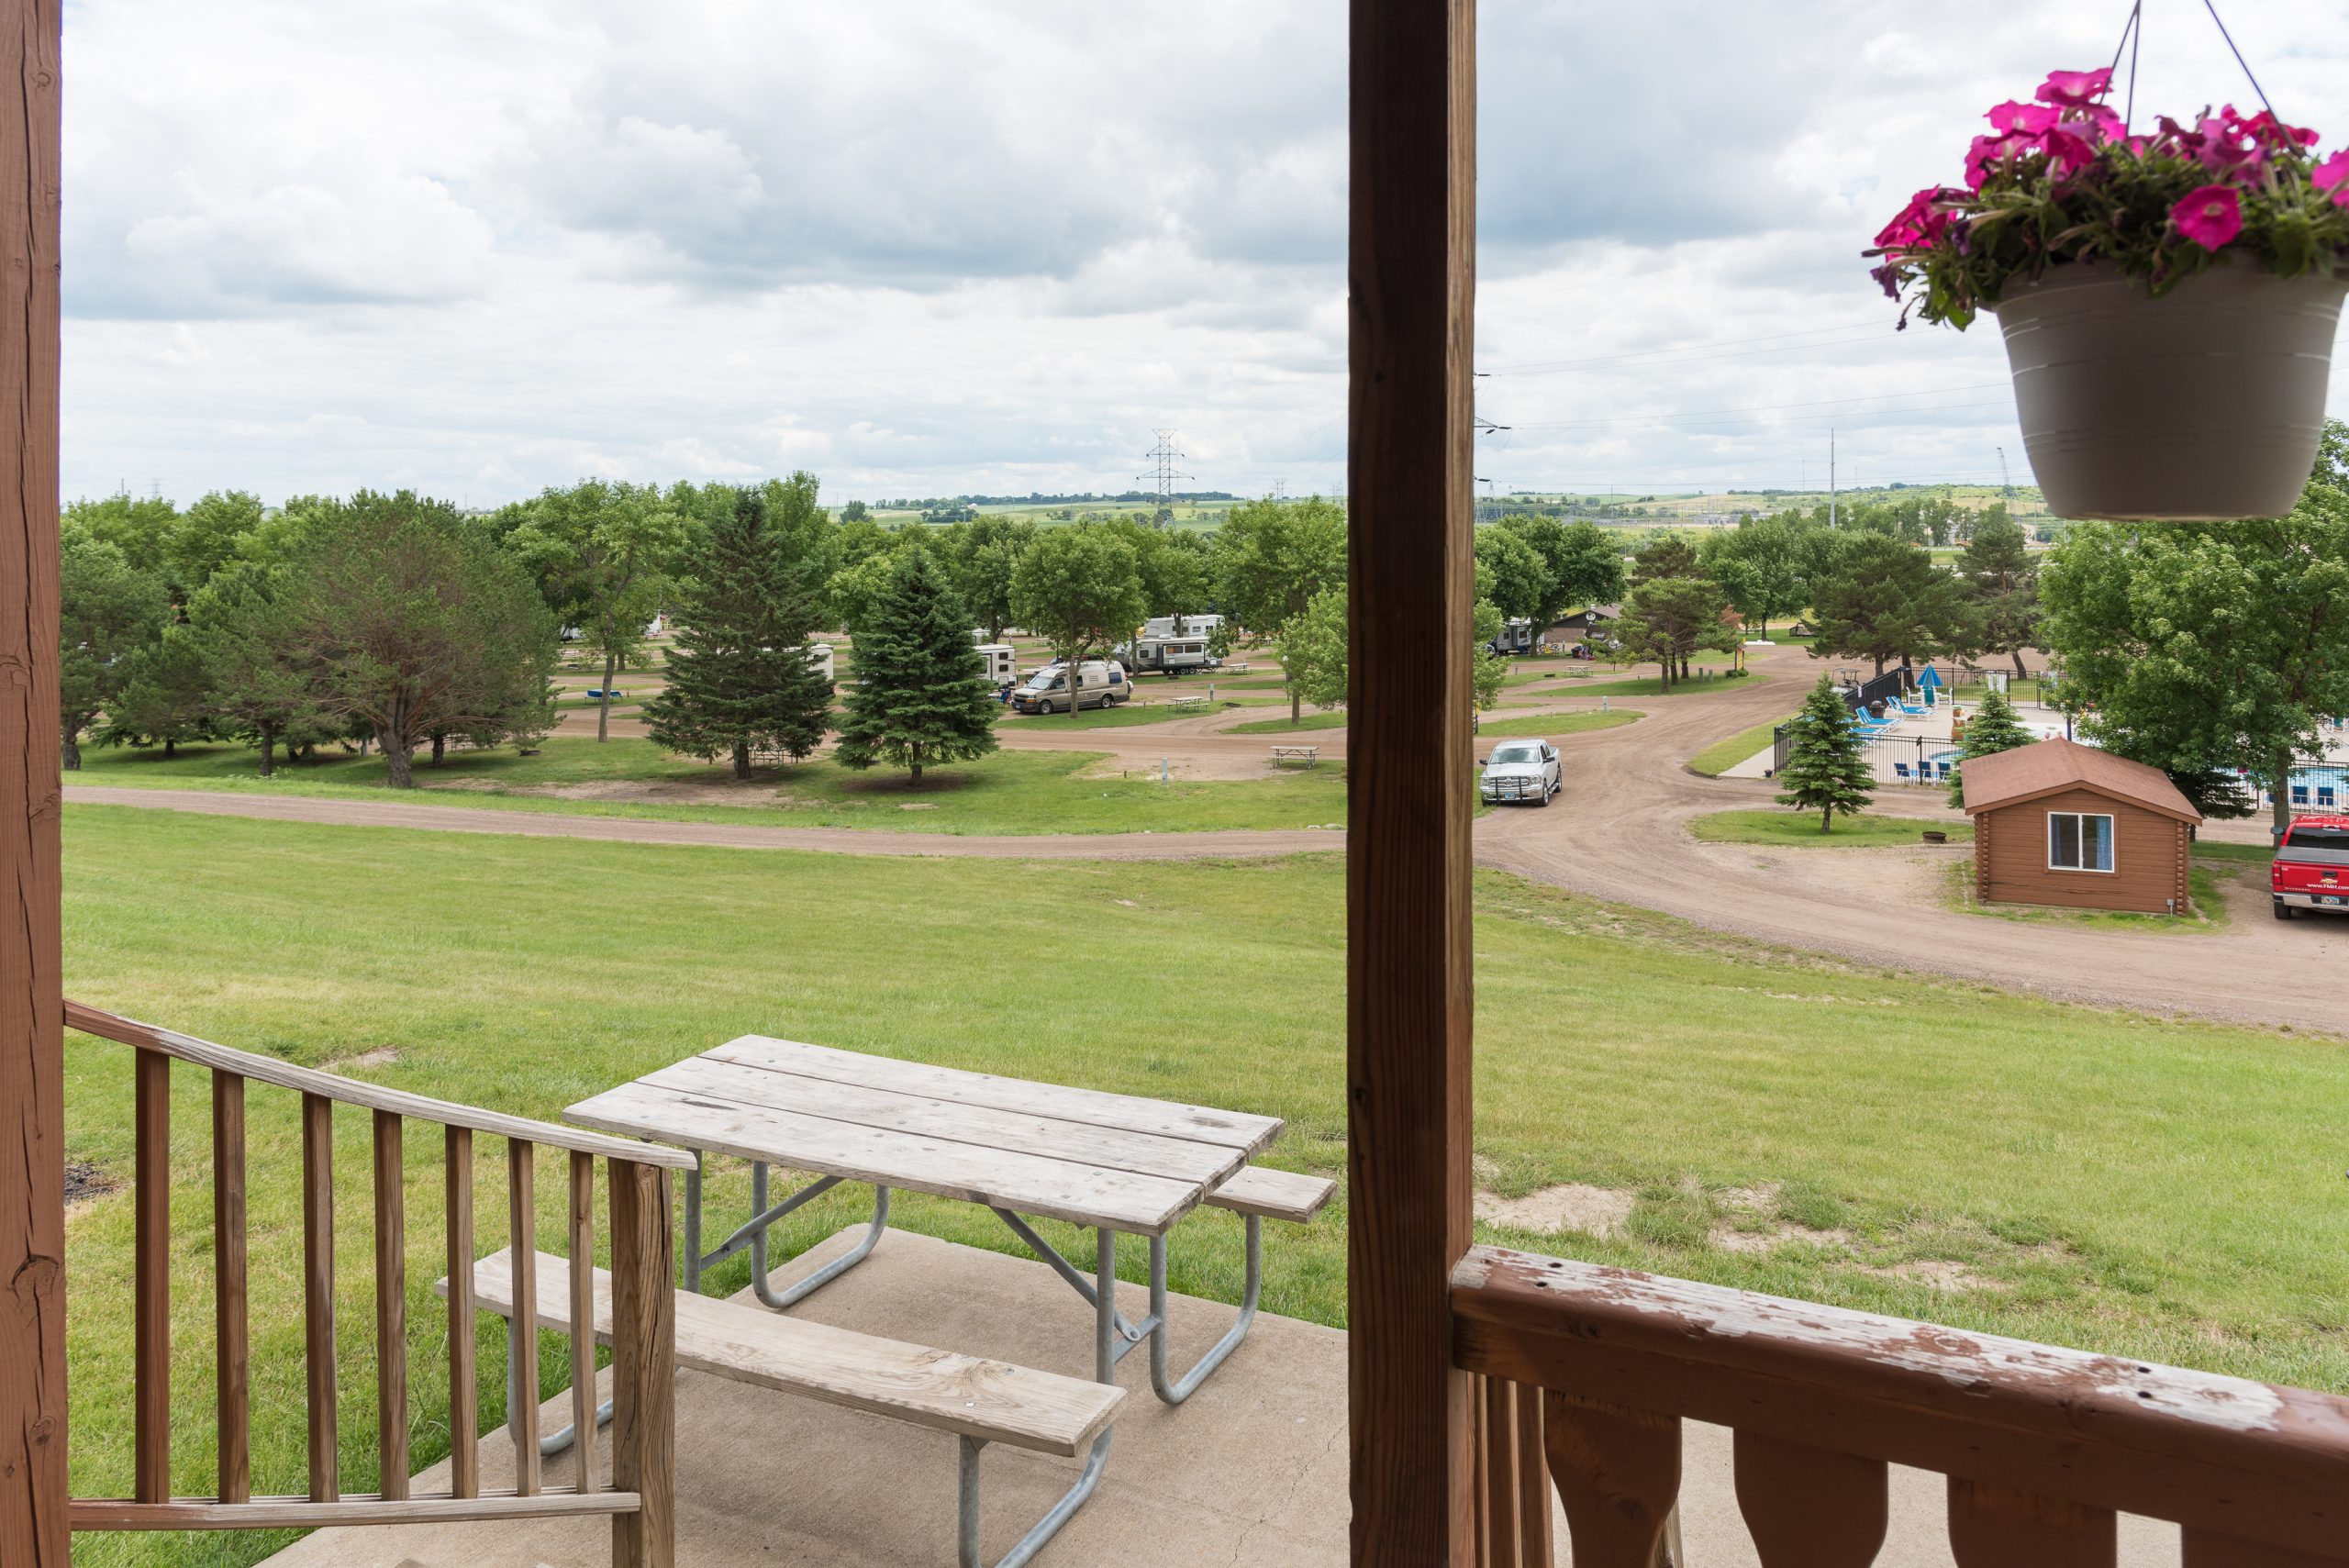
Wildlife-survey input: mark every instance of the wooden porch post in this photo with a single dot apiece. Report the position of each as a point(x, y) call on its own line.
point(32, 1005)
point(1412, 287)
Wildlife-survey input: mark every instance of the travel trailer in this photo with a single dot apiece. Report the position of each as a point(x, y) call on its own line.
point(1001, 671)
point(1199, 627)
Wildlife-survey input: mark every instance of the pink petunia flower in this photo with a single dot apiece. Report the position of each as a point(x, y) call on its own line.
point(2021, 119)
point(2332, 174)
point(2267, 130)
point(2209, 216)
point(2075, 89)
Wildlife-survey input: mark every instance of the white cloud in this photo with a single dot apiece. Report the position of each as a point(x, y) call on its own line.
point(943, 245)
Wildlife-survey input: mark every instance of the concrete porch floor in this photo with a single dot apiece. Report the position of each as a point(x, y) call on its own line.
point(1250, 1472)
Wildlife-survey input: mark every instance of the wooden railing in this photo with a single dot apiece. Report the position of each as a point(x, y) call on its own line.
point(640, 1492)
point(2042, 1447)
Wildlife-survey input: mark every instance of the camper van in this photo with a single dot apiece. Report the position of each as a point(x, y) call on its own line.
point(1168, 656)
point(998, 657)
point(1100, 683)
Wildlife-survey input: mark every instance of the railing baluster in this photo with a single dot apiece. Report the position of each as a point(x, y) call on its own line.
point(1513, 1499)
point(151, 1276)
point(522, 1329)
point(1996, 1527)
point(2204, 1550)
point(1809, 1508)
point(391, 1306)
point(233, 1397)
point(1617, 1472)
point(1533, 1479)
point(644, 1367)
point(318, 1293)
point(582, 1317)
point(464, 1403)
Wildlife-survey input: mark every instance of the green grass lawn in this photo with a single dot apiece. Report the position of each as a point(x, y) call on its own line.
point(1547, 724)
point(2193, 1218)
point(1010, 792)
point(1283, 725)
point(1789, 827)
point(1722, 755)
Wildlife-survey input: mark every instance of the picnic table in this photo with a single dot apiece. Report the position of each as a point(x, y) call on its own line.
point(1112, 1164)
point(1306, 755)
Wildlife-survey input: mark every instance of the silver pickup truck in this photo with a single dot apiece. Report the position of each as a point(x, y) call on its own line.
point(1521, 771)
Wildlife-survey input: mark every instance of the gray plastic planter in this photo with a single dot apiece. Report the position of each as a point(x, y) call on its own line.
point(2205, 403)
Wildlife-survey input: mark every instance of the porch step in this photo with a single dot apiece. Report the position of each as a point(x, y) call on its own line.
point(1275, 1195)
point(988, 1400)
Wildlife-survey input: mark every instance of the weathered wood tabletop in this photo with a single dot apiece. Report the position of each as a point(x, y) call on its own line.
point(1082, 1155)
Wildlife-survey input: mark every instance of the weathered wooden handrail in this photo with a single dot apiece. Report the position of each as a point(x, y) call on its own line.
point(373, 1096)
point(2043, 1446)
point(640, 1496)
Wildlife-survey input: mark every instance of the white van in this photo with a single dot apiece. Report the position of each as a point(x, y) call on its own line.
point(1100, 683)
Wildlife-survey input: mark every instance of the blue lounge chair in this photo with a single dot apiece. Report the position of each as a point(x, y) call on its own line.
point(1900, 772)
point(1944, 767)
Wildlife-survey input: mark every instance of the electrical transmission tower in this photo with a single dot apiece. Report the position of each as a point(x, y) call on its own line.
point(2006, 481)
point(1164, 457)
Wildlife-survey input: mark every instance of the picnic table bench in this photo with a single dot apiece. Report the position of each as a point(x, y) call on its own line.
point(1187, 704)
point(979, 1401)
point(1306, 755)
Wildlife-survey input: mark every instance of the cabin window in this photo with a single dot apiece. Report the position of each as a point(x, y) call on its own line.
point(2324, 796)
point(2079, 840)
point(2300, 794)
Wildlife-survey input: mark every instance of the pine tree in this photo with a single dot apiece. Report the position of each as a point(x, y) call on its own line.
point(1827, 771)
point(1994, 727)
point(921, 693)
point(740, 678)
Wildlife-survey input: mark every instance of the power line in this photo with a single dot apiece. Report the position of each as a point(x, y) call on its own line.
point(1763, 408)
point(1547, 366)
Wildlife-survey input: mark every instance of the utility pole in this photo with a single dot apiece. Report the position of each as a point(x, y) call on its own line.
point(2005, 481)
point(1164, 456)
point(1830, 476)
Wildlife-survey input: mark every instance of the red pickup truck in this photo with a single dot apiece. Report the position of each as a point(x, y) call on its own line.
point(2312, 867)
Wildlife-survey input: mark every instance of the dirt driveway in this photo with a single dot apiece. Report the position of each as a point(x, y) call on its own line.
point(1619, 831)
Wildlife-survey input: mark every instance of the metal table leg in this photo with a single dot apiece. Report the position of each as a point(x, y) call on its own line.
point(1107, 1350)
point(1173, 1392)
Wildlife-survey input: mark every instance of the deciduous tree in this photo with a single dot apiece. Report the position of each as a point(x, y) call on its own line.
point(1271, 558)
point(1313, 649)
point(2200, 648)
point(1078, 587)
point(1581, 565)
point(1882, 600)
point(418, 625)
point(107, 611)
point(1668, 619)
point(602, 551)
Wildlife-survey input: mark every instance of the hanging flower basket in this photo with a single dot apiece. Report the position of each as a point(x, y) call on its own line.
point(2168, 300)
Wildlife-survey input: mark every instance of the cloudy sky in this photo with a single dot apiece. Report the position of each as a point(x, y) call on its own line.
point(990, 245)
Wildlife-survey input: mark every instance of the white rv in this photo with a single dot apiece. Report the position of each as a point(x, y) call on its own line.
point(1172, 645)
point(999, 658)
point(1100, 683)
point(819, 658)
point(1198, 627)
